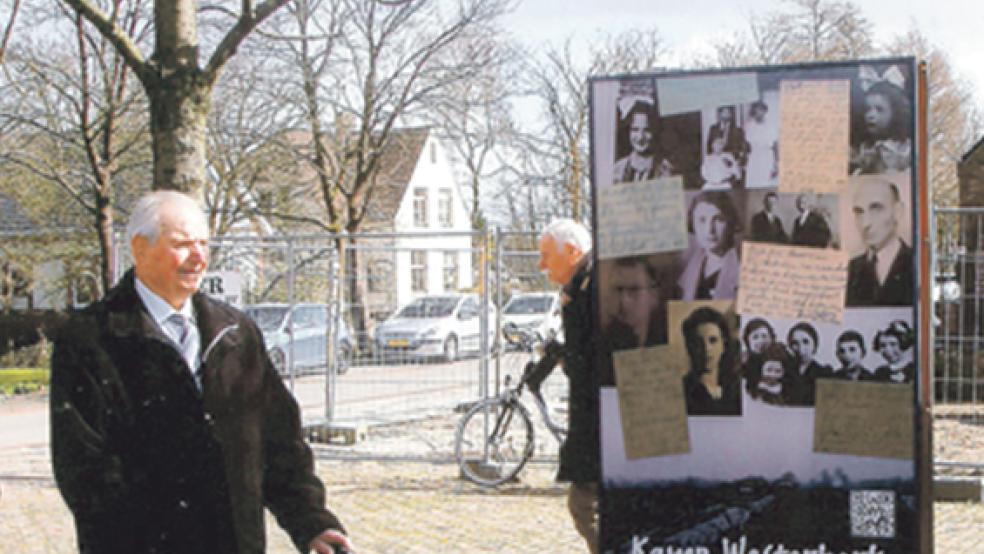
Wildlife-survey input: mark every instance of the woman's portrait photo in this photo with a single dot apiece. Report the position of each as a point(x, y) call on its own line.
point(637, 151)
point(762, 135)
point(711, 385)
point(801, 383)
point(894, 344)
point(881, 121)
point(710, 265)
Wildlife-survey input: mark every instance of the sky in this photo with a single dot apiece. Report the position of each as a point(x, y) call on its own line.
point(688, 26)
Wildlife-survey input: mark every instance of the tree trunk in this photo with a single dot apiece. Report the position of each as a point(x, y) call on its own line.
point(104, 230)
point(179, 109)
point(180, 98)
point(356, 295)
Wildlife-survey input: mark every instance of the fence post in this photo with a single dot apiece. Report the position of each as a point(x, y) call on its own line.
point(335, 317)
point(498, 306)
point(483, 325)
point(289, 362)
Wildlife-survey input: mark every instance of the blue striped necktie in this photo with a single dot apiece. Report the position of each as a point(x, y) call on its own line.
point(181, 328)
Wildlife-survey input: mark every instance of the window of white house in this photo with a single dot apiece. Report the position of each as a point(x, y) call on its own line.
point(420, 207)
point(450, 271)
point(418, 270)
point(433, 153)
point(445, 209)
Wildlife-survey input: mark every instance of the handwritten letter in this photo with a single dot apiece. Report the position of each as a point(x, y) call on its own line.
point(791, 282)
point(689, 94)
point(641, 218)
point(864, 419)
point(650, 401)
point(814, 121)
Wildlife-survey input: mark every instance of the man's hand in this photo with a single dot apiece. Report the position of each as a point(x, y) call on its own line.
point(323, 543)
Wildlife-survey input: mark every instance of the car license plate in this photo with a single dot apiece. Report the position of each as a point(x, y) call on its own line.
point(398, 343)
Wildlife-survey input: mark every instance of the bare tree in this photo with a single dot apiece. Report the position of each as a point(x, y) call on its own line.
point(474, 117)
point(78, 122)
point(955, 121)
point(178, 86)
point(807, 30)
point(552, 156)
point(824, 30)
point(367, 68)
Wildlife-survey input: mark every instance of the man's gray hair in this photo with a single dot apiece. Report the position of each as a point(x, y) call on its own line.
point(145, 220)
point(566, 231)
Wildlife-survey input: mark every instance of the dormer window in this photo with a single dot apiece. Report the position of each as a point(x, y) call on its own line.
point(433, 153)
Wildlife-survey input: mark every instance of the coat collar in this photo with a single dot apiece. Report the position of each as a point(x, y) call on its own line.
point(127, 316)
point(580, 280)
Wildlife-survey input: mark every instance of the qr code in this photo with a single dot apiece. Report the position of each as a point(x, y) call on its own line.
point(873, 514)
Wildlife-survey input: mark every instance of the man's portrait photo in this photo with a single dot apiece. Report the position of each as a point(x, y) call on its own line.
point(633, 292)
point(795, 219)
point(881, 273)
point(767, 225)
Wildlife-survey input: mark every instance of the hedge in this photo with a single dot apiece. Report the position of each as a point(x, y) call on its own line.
point(20, 380)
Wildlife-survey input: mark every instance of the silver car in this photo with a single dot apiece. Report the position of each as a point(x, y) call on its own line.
point(308, 325)
point(536, 313)
point(435, 326)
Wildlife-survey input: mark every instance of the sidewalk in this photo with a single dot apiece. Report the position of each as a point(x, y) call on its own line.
point(399, 507)
point(396, 492)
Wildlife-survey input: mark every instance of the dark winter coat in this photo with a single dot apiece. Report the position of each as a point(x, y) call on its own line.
point(579, 458)
point(147, 463)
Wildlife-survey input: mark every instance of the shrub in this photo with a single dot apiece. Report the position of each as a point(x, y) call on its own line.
point(35, 355)
point(19, 381)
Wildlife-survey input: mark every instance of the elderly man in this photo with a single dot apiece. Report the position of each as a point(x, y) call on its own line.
point(170, 429)
point(810, 226)
point(882, 274)
point(566, 260)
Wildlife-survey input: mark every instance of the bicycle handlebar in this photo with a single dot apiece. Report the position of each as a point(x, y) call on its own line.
point(536, 372)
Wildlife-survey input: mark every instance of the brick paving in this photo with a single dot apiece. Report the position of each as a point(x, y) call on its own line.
point(399, 507)
point(414, 504)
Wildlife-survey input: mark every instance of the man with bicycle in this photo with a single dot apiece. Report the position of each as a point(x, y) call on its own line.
point(565, 258)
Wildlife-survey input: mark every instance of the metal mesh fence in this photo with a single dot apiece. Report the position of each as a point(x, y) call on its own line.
point(958, 368)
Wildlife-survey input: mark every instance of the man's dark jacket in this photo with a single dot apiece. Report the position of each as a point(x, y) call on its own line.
point(579, 458)
point(766, 230)
point(813, 232)
point(147, 464)
point(863, 288)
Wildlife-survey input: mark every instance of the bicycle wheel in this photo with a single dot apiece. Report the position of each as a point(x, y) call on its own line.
point(494, 441)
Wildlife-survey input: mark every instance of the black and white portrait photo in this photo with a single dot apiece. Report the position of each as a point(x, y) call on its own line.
point(881, 118)
point(710, 264)
point(639, 155)
point(711, 384)
point(725, 152)
point(803, 219)
point(880, 271)
point(761, 125)
point(633, 292)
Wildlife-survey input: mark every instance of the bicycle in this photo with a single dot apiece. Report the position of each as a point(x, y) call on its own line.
point(496, 437)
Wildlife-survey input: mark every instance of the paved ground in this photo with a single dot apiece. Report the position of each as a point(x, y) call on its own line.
point(413, 503)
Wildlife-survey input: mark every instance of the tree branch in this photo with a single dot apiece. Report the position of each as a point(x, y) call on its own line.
point(248, 20)
point(114, 34)
point(9, 30)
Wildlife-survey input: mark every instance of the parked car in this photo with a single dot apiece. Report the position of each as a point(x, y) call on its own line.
point(434, 326)
point(537, 313)
point(308, 324)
